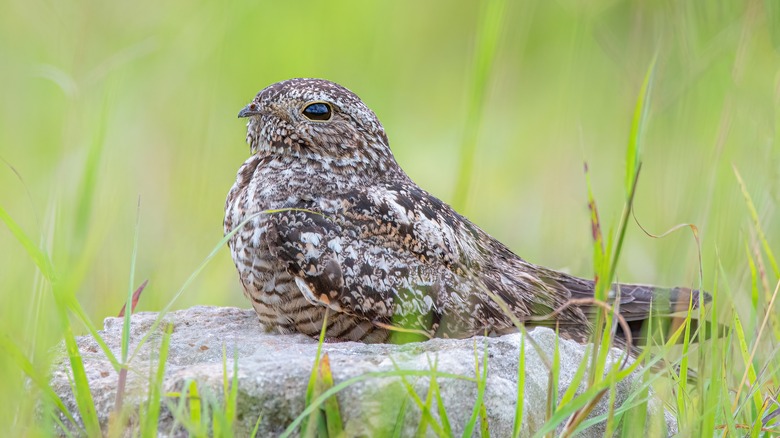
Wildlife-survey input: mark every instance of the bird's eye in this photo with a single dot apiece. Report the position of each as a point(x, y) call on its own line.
point(319, 111)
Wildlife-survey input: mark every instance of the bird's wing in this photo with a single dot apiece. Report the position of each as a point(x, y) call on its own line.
point(344, 266)
point(393, 255)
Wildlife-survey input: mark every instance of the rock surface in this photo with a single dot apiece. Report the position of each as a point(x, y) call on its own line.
point(274, 370)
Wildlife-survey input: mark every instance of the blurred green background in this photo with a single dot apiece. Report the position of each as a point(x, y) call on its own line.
point(106, 103)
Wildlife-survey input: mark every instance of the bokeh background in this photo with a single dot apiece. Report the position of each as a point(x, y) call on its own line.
point(104, 104)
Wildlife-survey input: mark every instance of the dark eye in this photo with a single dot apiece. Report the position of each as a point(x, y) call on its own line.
point(318, 111)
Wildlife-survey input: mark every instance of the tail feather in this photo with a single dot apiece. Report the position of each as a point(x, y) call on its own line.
point(636, 303)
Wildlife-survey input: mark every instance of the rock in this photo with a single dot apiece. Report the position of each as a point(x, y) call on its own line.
point(274, 370)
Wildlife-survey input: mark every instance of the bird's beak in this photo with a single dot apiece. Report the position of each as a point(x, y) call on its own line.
point(250, 110)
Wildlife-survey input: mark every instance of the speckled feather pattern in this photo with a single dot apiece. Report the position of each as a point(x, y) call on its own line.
point(334, 223)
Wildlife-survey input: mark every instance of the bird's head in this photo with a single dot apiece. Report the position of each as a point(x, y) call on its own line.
point(316, 119)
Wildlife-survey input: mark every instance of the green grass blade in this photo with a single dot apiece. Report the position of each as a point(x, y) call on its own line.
point(684, 362)
point(434, 386)
point(517, 426)
point(131, 287)
point(579, 375)
point(128, 311)
point(552, 382)
point(12, 351)
point(714, 353)
point(756, 343)
point(231, 404)
point(332, 413)
point(195, 408)
point(154, 399)
point(599, 253)
point(753, 277)
point(611, 422)
point(78, 311)
point(85, 201)
point(399, 419)
point(82, 392)
point(40, 258)
point(641, 108)
point(633, 159)
point(481, 384)
point(484, 426)
point(636, 418)
point(744, 351)
point(257, 426)
point(426, 416)
point(309, 428)
point(488, 35)
point(757, 222)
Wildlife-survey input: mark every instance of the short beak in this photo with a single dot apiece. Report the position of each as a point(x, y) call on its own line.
point(249, 111)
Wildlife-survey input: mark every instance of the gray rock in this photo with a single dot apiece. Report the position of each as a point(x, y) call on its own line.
point(274, 370)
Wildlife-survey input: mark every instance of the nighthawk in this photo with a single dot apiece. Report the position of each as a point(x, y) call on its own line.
point(330, 222)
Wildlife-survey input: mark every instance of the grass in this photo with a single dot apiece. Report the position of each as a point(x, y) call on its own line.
point(97, 112)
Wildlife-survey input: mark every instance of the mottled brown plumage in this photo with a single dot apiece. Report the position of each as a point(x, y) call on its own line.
point(333, 222)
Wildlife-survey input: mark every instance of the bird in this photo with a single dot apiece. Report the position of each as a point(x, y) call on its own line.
point(326, 229)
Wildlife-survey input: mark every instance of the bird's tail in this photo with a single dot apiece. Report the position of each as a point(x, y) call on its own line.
point(658, 313)
point(661, 310)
